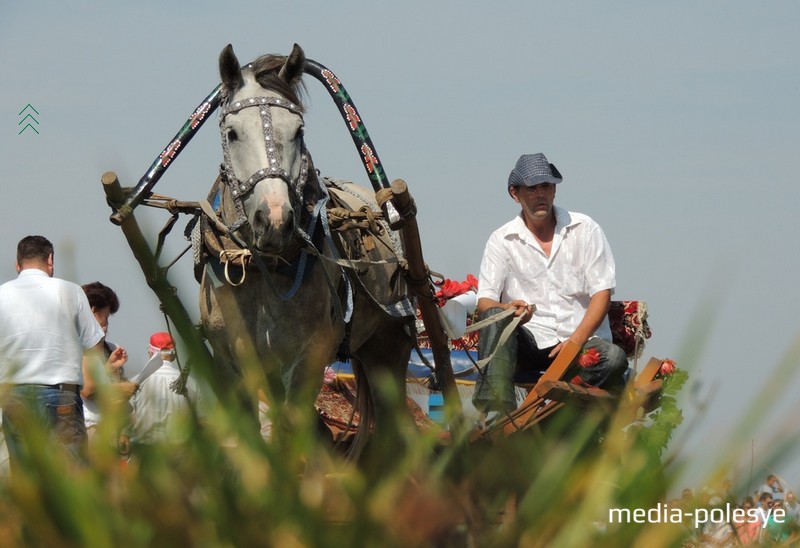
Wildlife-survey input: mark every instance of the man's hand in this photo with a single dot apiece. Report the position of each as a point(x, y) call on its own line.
point(521, 309)
point(557, 348)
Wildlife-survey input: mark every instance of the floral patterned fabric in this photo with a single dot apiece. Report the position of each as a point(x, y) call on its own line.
point(629, 328)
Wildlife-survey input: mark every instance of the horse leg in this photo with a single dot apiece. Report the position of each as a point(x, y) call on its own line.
point(226, 330)
point(380, 365)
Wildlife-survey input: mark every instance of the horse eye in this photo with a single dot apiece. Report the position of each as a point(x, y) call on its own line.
point(230, 135)
point(300, 133)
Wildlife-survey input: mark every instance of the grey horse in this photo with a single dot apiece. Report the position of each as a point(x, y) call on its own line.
point(301, 294)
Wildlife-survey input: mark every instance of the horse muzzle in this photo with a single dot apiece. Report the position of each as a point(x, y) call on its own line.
point(273, 228)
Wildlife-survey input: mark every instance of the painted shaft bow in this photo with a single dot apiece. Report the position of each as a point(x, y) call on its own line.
point(175, 146)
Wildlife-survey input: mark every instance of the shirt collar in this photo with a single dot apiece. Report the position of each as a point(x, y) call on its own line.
point(564, 220)
point(32, 272)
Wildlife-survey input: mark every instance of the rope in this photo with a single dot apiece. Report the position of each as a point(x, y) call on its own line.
point(178, 385)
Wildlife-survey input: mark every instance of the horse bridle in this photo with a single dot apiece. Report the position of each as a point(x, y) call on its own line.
point(240, 188)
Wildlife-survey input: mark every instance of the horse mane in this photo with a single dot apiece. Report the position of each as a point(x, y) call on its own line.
point(266, 68)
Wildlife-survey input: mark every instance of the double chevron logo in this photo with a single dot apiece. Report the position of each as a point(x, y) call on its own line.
point(32, 122)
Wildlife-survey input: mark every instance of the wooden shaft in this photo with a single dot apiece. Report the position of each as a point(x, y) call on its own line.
point(418, 281)
point(156, 278)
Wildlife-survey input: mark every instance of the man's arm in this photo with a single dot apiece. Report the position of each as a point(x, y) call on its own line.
point(595, 314)
point(522, 308)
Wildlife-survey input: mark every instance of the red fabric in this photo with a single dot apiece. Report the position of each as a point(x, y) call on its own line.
point(161, 341)
point(628, 324)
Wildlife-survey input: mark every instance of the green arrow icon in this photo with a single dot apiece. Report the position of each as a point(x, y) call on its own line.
point(27, 116)
point(28, 106)
point(28, 126)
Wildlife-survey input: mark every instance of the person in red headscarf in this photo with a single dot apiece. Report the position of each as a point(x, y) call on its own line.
point(161, 413)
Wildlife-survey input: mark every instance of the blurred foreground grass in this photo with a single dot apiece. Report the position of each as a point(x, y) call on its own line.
point(228, 487)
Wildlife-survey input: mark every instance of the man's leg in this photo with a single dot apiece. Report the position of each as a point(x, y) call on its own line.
point(609, 371)
point(60, 413)
point(14, 406)
point(65, 414)
point(532, 361)
point(494, 390)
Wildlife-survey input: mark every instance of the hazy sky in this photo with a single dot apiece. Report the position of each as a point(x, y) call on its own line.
point(675, 125)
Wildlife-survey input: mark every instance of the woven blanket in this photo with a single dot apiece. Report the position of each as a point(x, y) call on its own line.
point(629, 328)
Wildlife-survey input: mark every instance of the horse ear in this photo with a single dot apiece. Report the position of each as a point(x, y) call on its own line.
point(292, 69)
point(229, 69)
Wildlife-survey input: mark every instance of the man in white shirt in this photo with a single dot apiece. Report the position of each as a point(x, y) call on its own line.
point(561, 263)
point(160, 414)
point(773, 486)
point(46, 325)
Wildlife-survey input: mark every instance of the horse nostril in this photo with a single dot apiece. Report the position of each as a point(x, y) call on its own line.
point(289, 225)
point(258, 218)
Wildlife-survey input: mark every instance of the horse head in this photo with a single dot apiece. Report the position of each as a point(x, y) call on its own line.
point(266, 165)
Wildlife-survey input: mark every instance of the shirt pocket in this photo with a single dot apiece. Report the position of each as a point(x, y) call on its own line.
point(573, 280)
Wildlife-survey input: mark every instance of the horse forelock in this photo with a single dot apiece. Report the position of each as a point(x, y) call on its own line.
point(265, 70)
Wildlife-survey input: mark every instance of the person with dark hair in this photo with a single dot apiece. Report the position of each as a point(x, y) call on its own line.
point(773, 486)
point(101, 297)
point(46, 328)
point(104, 302)
point(555, 269)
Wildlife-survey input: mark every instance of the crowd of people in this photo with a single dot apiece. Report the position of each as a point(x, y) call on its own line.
point(769, 515)
point(59, 372)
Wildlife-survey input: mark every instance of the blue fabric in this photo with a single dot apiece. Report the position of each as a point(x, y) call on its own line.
point(461, 363)
point(57, 411)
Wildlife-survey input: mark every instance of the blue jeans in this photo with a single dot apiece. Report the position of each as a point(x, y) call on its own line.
point(52, 410)
point(520, 359)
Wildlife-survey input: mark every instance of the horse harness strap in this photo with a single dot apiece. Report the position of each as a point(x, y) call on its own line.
point(240, 188)
point(216, 239)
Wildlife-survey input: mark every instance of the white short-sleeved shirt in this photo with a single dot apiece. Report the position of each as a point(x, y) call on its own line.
point(45, 325)
point(580, 264)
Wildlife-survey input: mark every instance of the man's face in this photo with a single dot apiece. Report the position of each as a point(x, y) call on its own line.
point(536, 201)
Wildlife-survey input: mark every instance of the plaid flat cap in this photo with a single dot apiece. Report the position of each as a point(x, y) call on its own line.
point(533, 169)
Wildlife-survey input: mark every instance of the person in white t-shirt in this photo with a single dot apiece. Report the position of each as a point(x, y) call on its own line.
point(773, 486)
point(555, 269)
point(46, 326)
point(161, 415)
